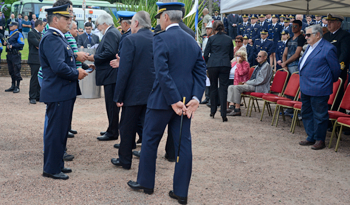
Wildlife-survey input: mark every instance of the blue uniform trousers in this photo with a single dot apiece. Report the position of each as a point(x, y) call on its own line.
point(131, 118)
point(315, 116)
point(14, 66)
point(169, 146)
point(155, 123)
point(59, 119)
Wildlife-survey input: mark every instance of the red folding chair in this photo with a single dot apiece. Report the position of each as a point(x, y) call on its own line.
point(246, 94)
point(341, 121)
point(291, 90)
point(281, 104)
point(278, 85)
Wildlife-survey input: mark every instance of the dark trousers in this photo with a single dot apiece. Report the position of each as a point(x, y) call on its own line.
point(232, 31)
point(112, 111)
point(169, 146)
point(34, 87)
point(14, 66)
point(59, 119)
point(221, 75)
point(155, 123)
point(130, 117)
point(315, 116)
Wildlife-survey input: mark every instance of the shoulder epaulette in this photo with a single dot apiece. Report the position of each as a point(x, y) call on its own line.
point(270, 39)
point(55, 33)
point(159, 32)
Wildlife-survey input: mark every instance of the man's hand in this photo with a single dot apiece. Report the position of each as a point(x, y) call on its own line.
point(279, 62)
point(82, 73)
point(1, 27)
point(82, 56)
point(115, 63)
point(179, 107)
point(191, 108)
point(119, 27)
point(120, 104)
point(283, 65)
point(240, 60)
point(234, 25)
point(90, 58)
point(92, 66)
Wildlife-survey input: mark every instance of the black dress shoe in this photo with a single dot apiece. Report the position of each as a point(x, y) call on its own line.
point(66, 170)
point(116, 162)
point(16, 90)
point(118, 145)
point(169, 159)
point(136, 153)
point(70, 135)
point(205, 101)
point(181, 200)
point(102, 133)
point(224, 119)
point(106, 138)
point(136, 186)
point(32, 101)
point(73, 132)
point(60, 175)
point(68, 157)
point(37, 99)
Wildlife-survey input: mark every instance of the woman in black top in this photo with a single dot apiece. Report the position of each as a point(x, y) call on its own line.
point(218, 55)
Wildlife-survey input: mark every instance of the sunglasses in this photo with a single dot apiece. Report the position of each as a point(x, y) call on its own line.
point(260, 56)
point(238, 41)
point(308, 34)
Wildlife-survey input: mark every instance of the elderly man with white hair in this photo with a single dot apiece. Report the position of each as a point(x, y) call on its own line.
point(106, 75)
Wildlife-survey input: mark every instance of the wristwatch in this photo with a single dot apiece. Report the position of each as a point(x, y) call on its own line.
point(75, 55)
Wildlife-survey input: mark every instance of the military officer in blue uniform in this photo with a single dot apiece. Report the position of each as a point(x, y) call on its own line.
point(318, 19)
point(59, 89)
point(125, 22)
point(288, 27)
point(253, 31)
point(249, 49)
point(280, 48)
point(241, 28)
point(262, 44)
point(175, 79)
point(263, 23)
point(275, 30)
point(282, 18)
point(14, 44)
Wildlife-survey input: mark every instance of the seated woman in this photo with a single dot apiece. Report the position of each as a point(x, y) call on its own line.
point(239, 72)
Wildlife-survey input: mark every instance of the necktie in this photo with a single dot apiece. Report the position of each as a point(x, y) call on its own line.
point(89, 38)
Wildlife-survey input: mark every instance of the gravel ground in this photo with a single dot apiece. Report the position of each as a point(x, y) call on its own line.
point(242, 161)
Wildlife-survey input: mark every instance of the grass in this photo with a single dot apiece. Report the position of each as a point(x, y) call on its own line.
point(24, 52)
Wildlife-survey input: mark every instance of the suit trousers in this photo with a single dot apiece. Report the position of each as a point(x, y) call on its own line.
point(219, 75)
point(232, 31)
point(155, 123)
point(112, 111)
point(169, 146)
point(315, 116)
point(130, 118)
point(14, 66)
point(235, 91)
point(59, 116)
point(34, 87)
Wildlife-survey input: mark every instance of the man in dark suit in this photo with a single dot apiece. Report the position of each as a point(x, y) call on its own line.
point(105, 74)
point(233, 20)
point(87, 38)
point(174, 80)
point(34, 37)
point(341, 40)
point(59, 89)
point(134, 83)
point(318, 69)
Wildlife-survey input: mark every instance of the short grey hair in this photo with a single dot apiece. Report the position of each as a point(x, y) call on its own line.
point(264, 53)
point(175, 16)
point(127, 21)
point(105, 19)
point(50, 18)
point(316, 28)
point(143, 18)
point(71, 25)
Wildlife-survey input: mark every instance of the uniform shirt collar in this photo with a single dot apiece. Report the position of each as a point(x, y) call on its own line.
point(336, 31)
point(172, 25)
point(107, 29)
point(274, 24)
point(253, 24)
point(55, 29)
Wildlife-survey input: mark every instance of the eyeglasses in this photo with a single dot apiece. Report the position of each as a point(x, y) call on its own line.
point(309, 34)
point(260, 56)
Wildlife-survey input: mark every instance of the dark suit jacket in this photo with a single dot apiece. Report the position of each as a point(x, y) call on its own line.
point(58, 68)
point(176, 78)
point(320, 70)
point(106, 52)
point(83, 40)
point(33, 40)
point(136, 70)
point(233, 20)
point(220, 48)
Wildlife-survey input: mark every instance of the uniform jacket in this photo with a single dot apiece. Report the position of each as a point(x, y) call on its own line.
point(279, 52)
point(253, 31)
point(136, 71)
point(16, 40)
point(60, 74)
point(219, 51)
point(106, 52)
point(176, 78)
point(241, 29)
point(266, 46)
point(320, 70)
point(264, 25)
point(121, 40)
point(250, 53)
point(275, 32)
point(34, 40)
point(262, 80)
point(182, 25)
point(83, 40)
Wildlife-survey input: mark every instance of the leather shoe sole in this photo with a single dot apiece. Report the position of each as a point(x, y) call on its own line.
point(306, 143)
point(32, 101)
point(66, 170)
point(136, 186)
point(169, 159)
point(70, 135)
point(56, 176)
point(116, 162)
point(74, 132)
point(318, 145)
point(181, 200)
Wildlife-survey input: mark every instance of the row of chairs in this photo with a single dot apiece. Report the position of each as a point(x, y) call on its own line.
point(279, 90)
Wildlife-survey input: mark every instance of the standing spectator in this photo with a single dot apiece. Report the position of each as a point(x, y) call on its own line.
point(218, 54)
point(318, 69)
point(225, 22)
point(264, 25)
point(233, 20)
point(11, 19)
point(34, 37)
point(26, 25)
point(30, 14)
point(253, 30)
point(206, 19)
point(209, 30)
point(87, 38)
point(20, 21)
point(216, 16)
point(90, 21)
point(249, 48)
point(241, 29)
point(263, 44)
point(2, 23)
point(33, 20)
point(281, 45)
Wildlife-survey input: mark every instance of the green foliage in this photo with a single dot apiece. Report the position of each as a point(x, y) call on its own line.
point(24, 52)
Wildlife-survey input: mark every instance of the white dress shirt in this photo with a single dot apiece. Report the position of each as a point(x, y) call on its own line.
point(172, 25)
point(55, 29)
point(308, 52)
